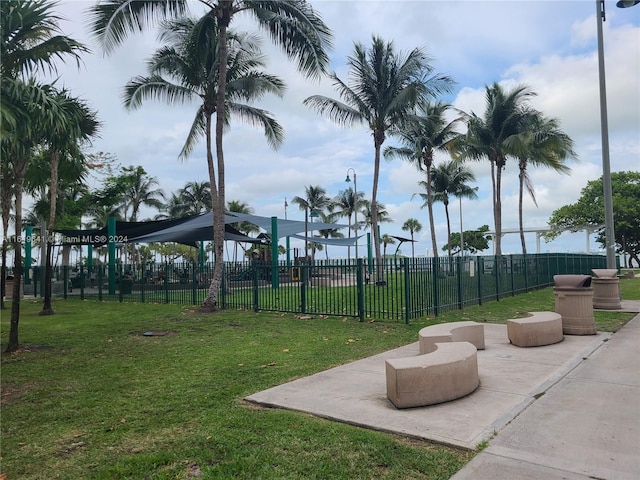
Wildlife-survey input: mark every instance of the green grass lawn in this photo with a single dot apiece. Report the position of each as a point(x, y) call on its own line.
point(89, 396)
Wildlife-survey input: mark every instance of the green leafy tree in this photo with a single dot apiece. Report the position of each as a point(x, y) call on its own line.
point(383, 89)
point(412, 226)
point(588, 211)
point(474, 241)
point(422, 135)
point(292, 24)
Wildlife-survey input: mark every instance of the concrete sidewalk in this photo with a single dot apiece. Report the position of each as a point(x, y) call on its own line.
point(528, 401)
point(587, 426)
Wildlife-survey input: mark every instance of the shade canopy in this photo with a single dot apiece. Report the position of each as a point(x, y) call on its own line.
point(198, 228)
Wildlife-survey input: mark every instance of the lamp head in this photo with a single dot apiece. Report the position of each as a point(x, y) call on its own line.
point(347, 179)
point(627, 3)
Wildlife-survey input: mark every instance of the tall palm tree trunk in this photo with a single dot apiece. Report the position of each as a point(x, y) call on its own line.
point(520, 217)
point(218, 187)
point(47, 309)
point(374, 215)
point(498, 211)
point(6, 193)
point(446, 212)
point(432, 227)
point(13, 344)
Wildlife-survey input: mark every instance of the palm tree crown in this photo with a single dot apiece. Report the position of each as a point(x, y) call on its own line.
point(383, 88)
point(422, 134)
point(492, 137)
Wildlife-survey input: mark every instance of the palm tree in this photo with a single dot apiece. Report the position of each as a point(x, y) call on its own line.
point(79, 125)
point(422, 135)
point(196, 197)
point(542, 144)
point(187, 68)
point(451, 179)
point(327, 233)
point(387, 240)
point(247, 228)
point(412, 226)
point(30, 42)
point(381, 211)
point(347, 204)
point(292, 24)
point(383, 89)
point(315, 203)
point(492, 136)
point(139, 191)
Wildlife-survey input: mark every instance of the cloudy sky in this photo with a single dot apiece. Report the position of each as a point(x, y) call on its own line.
point(551, 46)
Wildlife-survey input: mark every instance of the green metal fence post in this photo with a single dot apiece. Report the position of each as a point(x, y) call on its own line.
point(36, 277)
point(100, 279)
point(479, 274)
point(435, 272)
point(360, 288)
point(255, 286)
point(82, 280)
point(496, 272)
point(143, 281)
point(194, 285)
point(111, 247)
point(525, 269)
point(513, 277)
point(223, 288)
point(275, 272)
point(407, 286)
point(166, 284)
point(459, 279)
point(303, 287)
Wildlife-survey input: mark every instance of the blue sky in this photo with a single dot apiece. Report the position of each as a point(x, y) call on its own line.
point(549, 45)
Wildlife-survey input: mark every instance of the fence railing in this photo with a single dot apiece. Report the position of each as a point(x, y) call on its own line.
point(399, 289)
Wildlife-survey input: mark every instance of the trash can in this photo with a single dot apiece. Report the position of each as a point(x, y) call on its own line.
point(606, 289)
point(574, 302)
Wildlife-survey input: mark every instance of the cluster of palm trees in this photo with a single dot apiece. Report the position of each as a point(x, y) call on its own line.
point(37, 119)
point(395, 94)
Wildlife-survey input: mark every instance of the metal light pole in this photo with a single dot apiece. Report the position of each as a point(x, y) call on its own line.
point(355, 204)
point(610, 246)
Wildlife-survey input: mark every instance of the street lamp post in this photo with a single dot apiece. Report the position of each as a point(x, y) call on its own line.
point(610, 246)
point(355, 204)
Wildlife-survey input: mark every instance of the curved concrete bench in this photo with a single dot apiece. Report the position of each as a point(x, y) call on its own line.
point(540, 328)
point(447, 373)
point(472, 332)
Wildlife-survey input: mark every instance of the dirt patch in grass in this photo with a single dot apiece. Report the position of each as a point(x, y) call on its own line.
point(26, 348)
point(12, 392)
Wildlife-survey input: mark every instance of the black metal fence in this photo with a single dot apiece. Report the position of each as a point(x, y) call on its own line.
point(398, 290)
